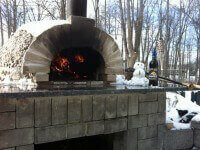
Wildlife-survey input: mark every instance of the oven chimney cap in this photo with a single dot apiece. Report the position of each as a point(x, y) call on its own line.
point(77, 8)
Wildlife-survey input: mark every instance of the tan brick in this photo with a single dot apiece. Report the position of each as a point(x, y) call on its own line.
point(148, 97)
point(7, 120)
point(75, 130)
point(59, 110)
point(122, 105)
point(74, 109)
point(17, 137)
point(94, 128)
point(147, 132)
point(133, 104)
point(148, 144)
point(126, 140)
point(155, 119)
point(25, 113)
point(162, 102)
point(98, 107)
point(148, 108)
point(50, 134)
point(41, 77)
point(115, 125)
point(9, 149)
point(111, 107)
point(137, 121)
point(43, 111)
point(7, 104)
point(87, 108)
point(26, 147)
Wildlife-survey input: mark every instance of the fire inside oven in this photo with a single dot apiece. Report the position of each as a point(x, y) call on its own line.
point(76, 64)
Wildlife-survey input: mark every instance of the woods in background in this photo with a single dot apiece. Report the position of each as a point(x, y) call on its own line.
point(138, 26)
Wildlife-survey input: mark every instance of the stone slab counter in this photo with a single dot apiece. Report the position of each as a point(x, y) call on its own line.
point(132, 116)
point(70, 90)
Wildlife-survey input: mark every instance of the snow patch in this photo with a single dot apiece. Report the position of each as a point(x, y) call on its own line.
point(175, 103)
point(38, 27)
point(196, 118)
point(138, 78)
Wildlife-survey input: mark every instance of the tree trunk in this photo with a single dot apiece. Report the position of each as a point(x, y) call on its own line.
point(1, 25)
point(123, 26)
point(63, 9)
point(167, 38)
point(14, 15)
point(8, 18)
point(24, 12)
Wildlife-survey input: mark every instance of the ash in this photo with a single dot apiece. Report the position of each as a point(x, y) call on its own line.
point(11, 59)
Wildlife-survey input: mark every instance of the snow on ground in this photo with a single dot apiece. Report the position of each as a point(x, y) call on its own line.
point(180, 110)
point(37, 27)
point(196, 118)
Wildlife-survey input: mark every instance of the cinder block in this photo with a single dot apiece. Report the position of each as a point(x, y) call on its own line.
point(87, 108)
point(75, 130)
point(17, 137)
point(131, 138)
point(25, 113)
point(133, 104)
point(42, 111)
point(59, 110)
point(9, 149)
point(148, 144)
point(111, 107)
point(162, 102)
point(162, 96)
point(26, 147)
point(94, 128)
point(155, 119)
point(195, 125)
point(7, 120)
point(74, 109)
point(7, 104)
point(41, 77)
point(147, 132)
point(98, 107)
point(178, 139)
point(162, 129)
point(197, 138)
point(50, 134)
point(115, 125)
point(137, 121)
point(148, 108)
point(126, 140)
point(148, 97)
point(122, 105)
point(110, 78)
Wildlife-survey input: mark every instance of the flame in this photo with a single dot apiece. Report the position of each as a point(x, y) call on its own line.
point(64, 65)
point(79, 58)
point(60, 64)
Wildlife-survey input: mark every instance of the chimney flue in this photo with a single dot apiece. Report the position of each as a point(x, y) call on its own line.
point(77, 7)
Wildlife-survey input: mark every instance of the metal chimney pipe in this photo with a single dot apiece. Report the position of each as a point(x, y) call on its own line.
point(77, 7)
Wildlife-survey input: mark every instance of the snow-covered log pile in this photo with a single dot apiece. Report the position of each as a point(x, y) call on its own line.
point(11, 56)
point(13, 51)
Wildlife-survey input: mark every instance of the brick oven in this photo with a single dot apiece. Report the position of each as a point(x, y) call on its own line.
point(75, 51)
point(114, 118)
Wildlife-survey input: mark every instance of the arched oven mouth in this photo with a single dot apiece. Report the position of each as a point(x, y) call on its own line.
point(77, 64)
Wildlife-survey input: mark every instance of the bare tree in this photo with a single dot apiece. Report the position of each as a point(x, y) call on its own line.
point(1, 25)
